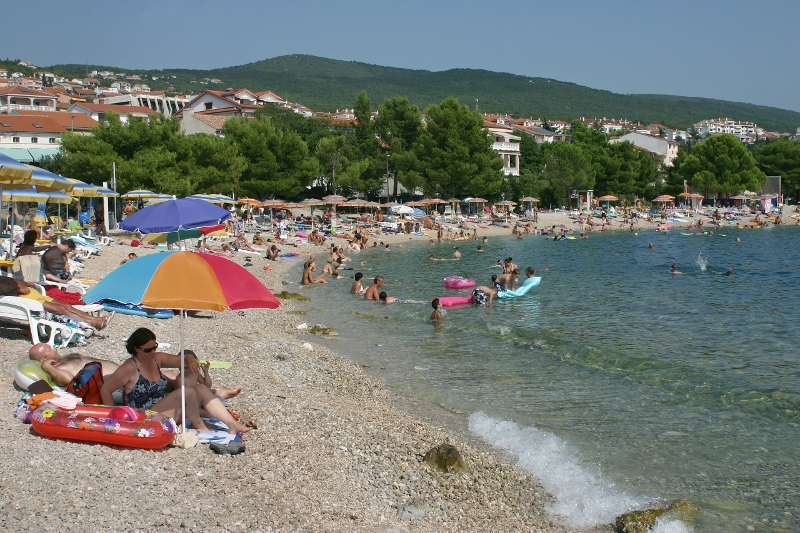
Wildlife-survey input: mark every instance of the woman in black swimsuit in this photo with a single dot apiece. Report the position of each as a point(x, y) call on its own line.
point(145, 387)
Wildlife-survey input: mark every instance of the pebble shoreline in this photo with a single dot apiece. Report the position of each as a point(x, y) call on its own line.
point(334, 450)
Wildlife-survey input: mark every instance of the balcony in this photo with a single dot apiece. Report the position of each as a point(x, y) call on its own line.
point(505, 147)
point(10, 107)
point(510, 171)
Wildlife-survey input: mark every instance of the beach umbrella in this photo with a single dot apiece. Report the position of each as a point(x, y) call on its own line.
point(334, 199)
point(608, 198)
point(81, 189)
point(222, 199)
point(528, 199)
point(206, 197)
point(248, 201)
point(175, 215)
point(275, 202)
point(12, 171)
point(140, 193)
point(33, 195)
point(172, 237)
point(390, 205)
point(187, 281)
point(160, 199)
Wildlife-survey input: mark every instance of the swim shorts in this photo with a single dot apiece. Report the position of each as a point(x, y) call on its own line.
point(479, 297)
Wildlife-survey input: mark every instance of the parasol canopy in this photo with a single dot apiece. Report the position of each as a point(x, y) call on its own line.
point(184, 280)
point(174, 215)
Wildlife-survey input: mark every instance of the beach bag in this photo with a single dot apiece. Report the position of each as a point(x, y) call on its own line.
point(87, 383)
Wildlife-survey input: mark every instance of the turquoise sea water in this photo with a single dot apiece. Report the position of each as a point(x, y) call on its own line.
point(615, 383)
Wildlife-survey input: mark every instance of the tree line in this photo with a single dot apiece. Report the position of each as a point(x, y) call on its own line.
point(280, 154)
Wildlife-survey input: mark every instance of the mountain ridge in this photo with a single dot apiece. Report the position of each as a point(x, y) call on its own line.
point(324, 84)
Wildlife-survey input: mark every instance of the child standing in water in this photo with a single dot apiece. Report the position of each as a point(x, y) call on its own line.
point(436, 316)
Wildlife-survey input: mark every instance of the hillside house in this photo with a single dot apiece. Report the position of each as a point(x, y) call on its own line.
point(208, 122)
point(506, 144)
point(24, 98)
point(664, 151)
point(29, 138)
point(98, 111)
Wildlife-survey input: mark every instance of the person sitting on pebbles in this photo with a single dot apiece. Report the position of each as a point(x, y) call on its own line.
point(64, 368)
point(309, 268)
point(145, 386)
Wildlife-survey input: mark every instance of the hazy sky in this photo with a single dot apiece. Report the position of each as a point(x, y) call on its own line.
point(728, 49)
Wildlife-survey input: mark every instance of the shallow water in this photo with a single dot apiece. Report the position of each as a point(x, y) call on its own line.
point(615, 383)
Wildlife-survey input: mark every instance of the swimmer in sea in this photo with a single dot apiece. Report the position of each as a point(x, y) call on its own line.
point(392, 300)
point(308, 268)
point(456, 254)
point(483, 295)
point(356, 287)
point(480, 249)
point(436, 316)
point(674, 269)
point(652, 247)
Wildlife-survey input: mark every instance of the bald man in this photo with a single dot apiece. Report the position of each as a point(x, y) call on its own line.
point(63, 368)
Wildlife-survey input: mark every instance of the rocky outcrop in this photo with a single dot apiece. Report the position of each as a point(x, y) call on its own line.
point(643, 520)
point(445, 458)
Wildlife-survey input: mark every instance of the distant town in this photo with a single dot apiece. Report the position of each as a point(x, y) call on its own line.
point(35, 111)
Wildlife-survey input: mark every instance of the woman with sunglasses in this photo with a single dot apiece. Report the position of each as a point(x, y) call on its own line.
point(145, 386)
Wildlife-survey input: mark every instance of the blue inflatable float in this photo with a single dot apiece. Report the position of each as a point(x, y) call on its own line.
point(526, 286)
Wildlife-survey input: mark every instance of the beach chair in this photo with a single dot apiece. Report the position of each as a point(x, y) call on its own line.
point(29, 268)
point(42, 330)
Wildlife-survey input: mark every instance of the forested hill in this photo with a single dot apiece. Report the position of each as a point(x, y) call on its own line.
point(327, 84)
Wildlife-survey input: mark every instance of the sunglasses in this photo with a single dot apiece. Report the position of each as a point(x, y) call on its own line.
point(149, 350)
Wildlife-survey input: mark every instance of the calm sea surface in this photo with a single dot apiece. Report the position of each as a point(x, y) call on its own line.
point(615, 383)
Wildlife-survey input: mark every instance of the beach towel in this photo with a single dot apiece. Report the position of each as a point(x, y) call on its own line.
point(219, 433)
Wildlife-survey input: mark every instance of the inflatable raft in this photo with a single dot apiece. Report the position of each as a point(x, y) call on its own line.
point(457, 282)
point(116, 426)
point(524, 288)
point(130, 309)
point(451, 301)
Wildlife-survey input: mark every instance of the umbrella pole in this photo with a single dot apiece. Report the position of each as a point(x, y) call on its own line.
point(183, 381)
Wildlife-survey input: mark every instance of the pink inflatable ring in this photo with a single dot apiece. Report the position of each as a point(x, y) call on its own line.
point(457, 282)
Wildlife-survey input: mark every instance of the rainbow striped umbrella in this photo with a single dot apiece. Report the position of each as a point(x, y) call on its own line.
point(185, 281)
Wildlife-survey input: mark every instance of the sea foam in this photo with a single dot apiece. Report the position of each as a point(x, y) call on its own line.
point(583, 497)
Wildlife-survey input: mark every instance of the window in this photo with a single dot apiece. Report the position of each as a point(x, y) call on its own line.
point(52, 140)
point(14, 139)
point(34, 140)
point(209, 106)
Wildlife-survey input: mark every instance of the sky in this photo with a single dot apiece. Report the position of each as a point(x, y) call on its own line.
point(735, 50)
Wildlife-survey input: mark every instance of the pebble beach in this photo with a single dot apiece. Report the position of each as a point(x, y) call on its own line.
point(332, 452)
point(334, 449)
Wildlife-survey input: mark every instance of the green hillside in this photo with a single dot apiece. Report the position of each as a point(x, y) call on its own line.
point(327, 84)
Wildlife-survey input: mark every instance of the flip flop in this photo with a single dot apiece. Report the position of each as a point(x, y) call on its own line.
point(107, 321)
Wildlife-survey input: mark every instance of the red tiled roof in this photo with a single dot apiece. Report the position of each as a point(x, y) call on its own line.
point(18, 91)
point(65, 120)
point(19, 123)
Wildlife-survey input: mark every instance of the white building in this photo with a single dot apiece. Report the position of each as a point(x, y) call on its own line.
point(744, 131)
point(664, 151)
point(29, 138)
point(505, 143)
point(25, 98)
point(98, 111)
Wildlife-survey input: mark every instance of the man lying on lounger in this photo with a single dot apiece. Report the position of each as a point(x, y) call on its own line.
point(15, 287)
point(63, 368)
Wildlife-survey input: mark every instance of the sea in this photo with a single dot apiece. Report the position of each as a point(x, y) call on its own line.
point(615, 383)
